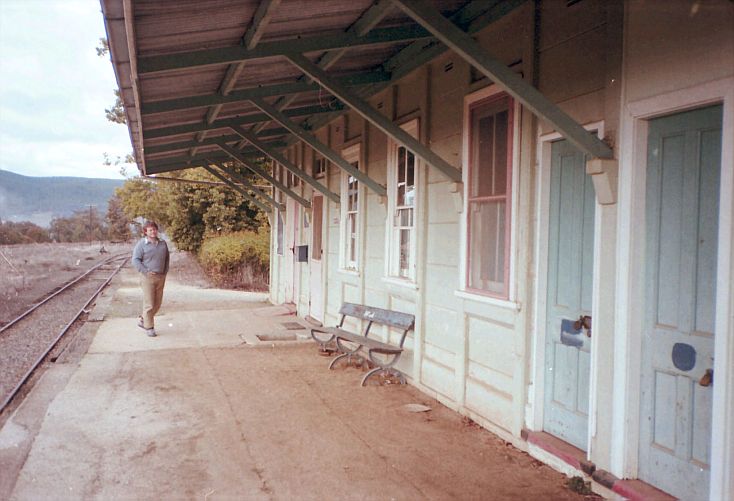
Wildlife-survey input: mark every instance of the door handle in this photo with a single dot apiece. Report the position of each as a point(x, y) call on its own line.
point(707, 379)
point(584, 322)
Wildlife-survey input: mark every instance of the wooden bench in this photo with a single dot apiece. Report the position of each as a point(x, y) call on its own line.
point(384, 356)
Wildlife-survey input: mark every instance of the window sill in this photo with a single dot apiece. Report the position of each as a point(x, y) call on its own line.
point(500, 303)
point(401, 282)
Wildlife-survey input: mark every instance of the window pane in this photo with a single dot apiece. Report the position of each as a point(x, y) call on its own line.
point(410, 169)
point(404, 270)
point(401, 164)
point(352, 193)
point(352, 238)
point(500, 155)
point(489, 163)
point(487, 246)
point(482, 162)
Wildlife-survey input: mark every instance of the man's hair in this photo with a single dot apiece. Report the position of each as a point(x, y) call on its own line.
point(150, 224)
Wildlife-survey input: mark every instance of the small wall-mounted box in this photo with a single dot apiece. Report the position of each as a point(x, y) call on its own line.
point(302, 253)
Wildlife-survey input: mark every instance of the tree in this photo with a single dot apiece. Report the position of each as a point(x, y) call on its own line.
point(23, 232)
point(116, 113)
point(142, 198)
point(190, 212)
point(83, 225)
point(103, 48)
point(118, 224)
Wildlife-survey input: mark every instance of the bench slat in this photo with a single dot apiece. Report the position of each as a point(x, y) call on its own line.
point(378, 315)
point(385, 348)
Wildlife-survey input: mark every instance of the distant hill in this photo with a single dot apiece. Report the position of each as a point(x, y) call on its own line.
point(40, 199)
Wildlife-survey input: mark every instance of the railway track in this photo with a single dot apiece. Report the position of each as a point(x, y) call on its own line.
point(35, 335)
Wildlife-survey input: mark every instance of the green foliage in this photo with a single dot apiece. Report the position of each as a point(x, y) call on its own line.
point(116, 113)
point(226, 257)
point(118, 225)
point(83, 226)
point(103, 48)
point(23, 232)
point(141, 198)
point(190, 212)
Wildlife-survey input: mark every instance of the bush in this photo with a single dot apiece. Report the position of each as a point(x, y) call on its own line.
point(240, 259)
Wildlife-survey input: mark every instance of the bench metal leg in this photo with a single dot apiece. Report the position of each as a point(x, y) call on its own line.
point(321, 341)
point(386, 370)
point(346, 352)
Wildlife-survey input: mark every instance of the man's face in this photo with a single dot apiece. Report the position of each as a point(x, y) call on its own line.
point(151, 232)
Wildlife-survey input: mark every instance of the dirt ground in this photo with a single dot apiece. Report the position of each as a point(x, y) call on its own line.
point(31, 271)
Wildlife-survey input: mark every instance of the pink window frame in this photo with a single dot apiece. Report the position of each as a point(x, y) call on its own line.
point(507, 197)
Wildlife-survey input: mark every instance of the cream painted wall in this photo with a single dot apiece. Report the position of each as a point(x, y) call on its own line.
point(674, 45)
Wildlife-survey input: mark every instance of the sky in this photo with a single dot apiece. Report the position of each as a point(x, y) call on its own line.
point(54, 89)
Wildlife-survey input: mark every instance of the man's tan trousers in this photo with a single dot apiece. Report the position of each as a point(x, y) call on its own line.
point(152, 285)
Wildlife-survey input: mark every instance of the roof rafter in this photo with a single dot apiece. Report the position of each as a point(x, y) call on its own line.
point(174, 130)
point(368, 20)
point(232, 152)
point(265, 207)
point(252, 36)
point(182, 103)
point(236, 177)
point(181, 60)
point(277, 157)
point(421, 52)
point(317, 145)
point(474, 54)
point(375, 117)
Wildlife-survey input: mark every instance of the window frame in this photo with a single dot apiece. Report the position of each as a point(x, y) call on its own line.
point(351, 154)
point(473, 102)
point(392, 263)
point(319, 166)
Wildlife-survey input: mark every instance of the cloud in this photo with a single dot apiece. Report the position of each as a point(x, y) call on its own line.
point(54, 89)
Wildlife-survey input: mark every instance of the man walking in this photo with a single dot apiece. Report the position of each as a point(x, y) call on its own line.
point(151, 259)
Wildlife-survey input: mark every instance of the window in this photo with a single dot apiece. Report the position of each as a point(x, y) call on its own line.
point(490, 135)
point(350, 212)
point(319, 167)
point(401, 214)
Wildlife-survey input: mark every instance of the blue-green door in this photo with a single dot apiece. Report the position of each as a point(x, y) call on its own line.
point(682, 200)
point(570, 278)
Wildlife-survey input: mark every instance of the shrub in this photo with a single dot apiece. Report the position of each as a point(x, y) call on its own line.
point(240, 259)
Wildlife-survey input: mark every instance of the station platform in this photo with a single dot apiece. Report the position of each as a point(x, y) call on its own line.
point(233, 401)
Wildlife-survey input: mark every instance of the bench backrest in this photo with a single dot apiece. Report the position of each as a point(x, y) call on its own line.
point(391, 318)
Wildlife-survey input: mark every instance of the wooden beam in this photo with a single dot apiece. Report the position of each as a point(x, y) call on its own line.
point(182, 145)
point(224, 55)
point(259, 22)
point(277, 157)
point(421, 52)
point(236, 177)
point(376, 118)
point(368, 20)
point(262, 205)
point(252, 36)
point(498, 72)
point(234, 153)
point(227, 122)
point(317, 145)
point(182, 103)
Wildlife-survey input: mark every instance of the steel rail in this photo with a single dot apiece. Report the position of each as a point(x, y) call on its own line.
point(53, 344)
point(62, 289)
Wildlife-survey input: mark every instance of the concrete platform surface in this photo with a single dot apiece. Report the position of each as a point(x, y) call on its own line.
point(208, 411)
